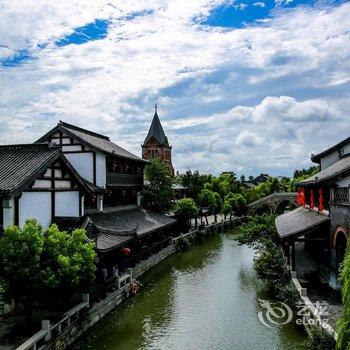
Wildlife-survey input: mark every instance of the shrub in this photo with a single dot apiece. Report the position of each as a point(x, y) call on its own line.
point(318, 339)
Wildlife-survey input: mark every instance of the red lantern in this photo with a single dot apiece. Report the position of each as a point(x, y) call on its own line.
point(312, 199)
point(320, 200)
point(126, 251)
point(301, 197)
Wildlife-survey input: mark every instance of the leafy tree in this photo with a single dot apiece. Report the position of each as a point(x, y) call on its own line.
point(207, 200)
point(226, 208)
point(237, 202)
point(257, 231)
point(217, 206)
point(41, 269)
point(242, 178)
point(194, 182)
point(157, 193)
point(185, 210)
point(269, 263)
point(68, 262)
point(343, 341)
point(20, 257)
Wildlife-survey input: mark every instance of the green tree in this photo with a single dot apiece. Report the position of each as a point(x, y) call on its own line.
point(157, 193)
point(185, 210)
point(44, 269)
point(217, 206)
point(20, 257)
point(207, 200)
point(226, 208)
point(343, 342)
point(194, 182)
point(68, 262)
point(237, 202)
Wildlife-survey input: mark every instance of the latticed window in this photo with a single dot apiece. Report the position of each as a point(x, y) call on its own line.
point(341, 195)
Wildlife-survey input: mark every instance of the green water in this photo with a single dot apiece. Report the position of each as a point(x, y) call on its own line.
point(206, 298)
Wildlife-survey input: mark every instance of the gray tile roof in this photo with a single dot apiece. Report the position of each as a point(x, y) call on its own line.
point(298, 222)
point(20, 164)
point(316, 157)
point(94, 140)
point(156, 131)
point(330, 174)
point(116, 226)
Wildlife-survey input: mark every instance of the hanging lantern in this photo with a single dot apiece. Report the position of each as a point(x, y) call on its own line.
point(126, 251)
point(320, 200)
point(312, 199)
point(301, 197)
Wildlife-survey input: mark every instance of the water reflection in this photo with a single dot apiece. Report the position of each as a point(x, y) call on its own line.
point(206, 298)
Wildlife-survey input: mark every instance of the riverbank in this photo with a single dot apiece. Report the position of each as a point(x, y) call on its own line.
point(205, 298)
point(84, 315)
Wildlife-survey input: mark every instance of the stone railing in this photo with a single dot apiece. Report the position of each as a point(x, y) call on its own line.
point(310, 307)
point(124, 179)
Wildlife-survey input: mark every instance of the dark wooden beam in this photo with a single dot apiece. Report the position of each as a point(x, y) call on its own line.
point(53, 195)
point(94, 167)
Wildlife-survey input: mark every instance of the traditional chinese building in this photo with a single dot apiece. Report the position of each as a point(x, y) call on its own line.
point(37, 181)
point(78, 178)
point(322, 221)
point(156, 144)
point(114, 174)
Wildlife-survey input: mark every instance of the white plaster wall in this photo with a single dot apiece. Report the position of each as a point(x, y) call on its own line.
point(100, 169)
point(67, 203)
point(59, 184)
point(42, 184)
point(329, 160)
point(83, 164)
point(344, 182)
point(346, 148)
point(35, 205)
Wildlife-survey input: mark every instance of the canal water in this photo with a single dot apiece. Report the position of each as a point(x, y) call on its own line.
point(205, 298)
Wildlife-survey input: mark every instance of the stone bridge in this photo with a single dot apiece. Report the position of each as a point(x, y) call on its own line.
point(276, 203)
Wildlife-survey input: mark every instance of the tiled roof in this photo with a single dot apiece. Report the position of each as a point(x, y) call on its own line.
point(330, 174)
point(94, 140)
point(298, 222)
point(116, 226)
point(20, 164)
point(316, 157)
point(156, 131)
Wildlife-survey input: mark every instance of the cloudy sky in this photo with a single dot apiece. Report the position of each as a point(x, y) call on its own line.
point(249, 86)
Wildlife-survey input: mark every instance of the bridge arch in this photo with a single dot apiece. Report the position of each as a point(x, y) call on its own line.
point(283, 205)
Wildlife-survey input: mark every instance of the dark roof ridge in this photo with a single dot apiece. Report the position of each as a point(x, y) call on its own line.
point(42, 145)
point(74, 127)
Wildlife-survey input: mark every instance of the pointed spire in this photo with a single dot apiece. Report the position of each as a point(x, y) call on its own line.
point(156, 130)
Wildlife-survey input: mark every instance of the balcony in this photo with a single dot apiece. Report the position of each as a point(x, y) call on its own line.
point(116, 180)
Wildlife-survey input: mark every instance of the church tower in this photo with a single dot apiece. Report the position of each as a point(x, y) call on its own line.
point(156, 143)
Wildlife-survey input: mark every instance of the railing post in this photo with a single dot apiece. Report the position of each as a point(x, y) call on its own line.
point(129, 271)
point(45, 325)
point(117, 282)
point(86, 299)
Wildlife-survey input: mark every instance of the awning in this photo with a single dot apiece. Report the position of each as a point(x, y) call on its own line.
point(299, 222)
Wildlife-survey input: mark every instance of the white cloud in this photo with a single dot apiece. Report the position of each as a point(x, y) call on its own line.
point(276, 81)
point(259, 4)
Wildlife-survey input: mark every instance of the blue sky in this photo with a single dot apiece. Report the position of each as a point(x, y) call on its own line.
point(248, 86)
